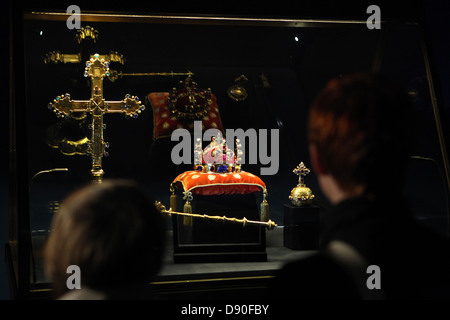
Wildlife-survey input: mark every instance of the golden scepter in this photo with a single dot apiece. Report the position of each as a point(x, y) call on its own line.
point(114, 74)
point(244, 221)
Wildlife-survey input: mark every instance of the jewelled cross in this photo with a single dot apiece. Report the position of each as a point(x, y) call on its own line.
point(301, 171)
point(96, 68)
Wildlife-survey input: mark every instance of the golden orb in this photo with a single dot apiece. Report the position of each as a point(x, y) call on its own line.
point(301, 195)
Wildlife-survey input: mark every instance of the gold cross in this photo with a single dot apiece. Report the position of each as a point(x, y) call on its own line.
point(301, 171)
point(96, 68)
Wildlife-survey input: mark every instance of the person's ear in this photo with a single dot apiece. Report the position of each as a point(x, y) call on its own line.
point(316, 161)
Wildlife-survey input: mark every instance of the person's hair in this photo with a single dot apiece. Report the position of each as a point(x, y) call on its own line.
point(360, 126)
point(112, 231)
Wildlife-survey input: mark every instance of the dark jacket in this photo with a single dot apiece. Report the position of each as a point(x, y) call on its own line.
point(414, 262)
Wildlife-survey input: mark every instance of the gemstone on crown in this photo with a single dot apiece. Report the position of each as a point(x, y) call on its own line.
point(216, 157)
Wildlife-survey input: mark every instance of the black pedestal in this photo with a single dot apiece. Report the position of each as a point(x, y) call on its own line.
point(217, 241)
point(301, 227)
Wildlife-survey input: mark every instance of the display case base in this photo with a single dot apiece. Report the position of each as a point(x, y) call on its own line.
point(212, 241)
point(301, 227)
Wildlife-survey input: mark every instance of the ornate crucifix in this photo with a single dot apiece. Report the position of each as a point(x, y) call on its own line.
point(96, 68)
point(85, 37)
point(301, 171)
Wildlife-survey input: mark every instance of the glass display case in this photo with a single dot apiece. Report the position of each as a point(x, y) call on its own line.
point(262, 73)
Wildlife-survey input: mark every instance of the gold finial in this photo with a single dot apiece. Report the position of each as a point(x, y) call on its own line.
point(87, 32)
point(301, 195)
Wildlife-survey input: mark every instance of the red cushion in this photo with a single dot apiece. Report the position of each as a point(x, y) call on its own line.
point(200, 183)
point(164, 123)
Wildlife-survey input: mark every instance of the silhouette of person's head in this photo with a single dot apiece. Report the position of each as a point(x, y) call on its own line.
point(112, 231)
point(359, 135)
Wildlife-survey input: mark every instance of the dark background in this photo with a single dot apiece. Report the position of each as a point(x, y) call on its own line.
point(217, 55)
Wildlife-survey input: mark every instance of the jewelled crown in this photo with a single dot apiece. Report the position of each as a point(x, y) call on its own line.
point(217, 157)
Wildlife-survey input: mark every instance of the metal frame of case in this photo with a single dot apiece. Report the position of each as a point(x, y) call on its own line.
point(18, 248)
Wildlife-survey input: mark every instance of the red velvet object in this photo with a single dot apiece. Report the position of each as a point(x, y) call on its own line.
point(200, 183)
